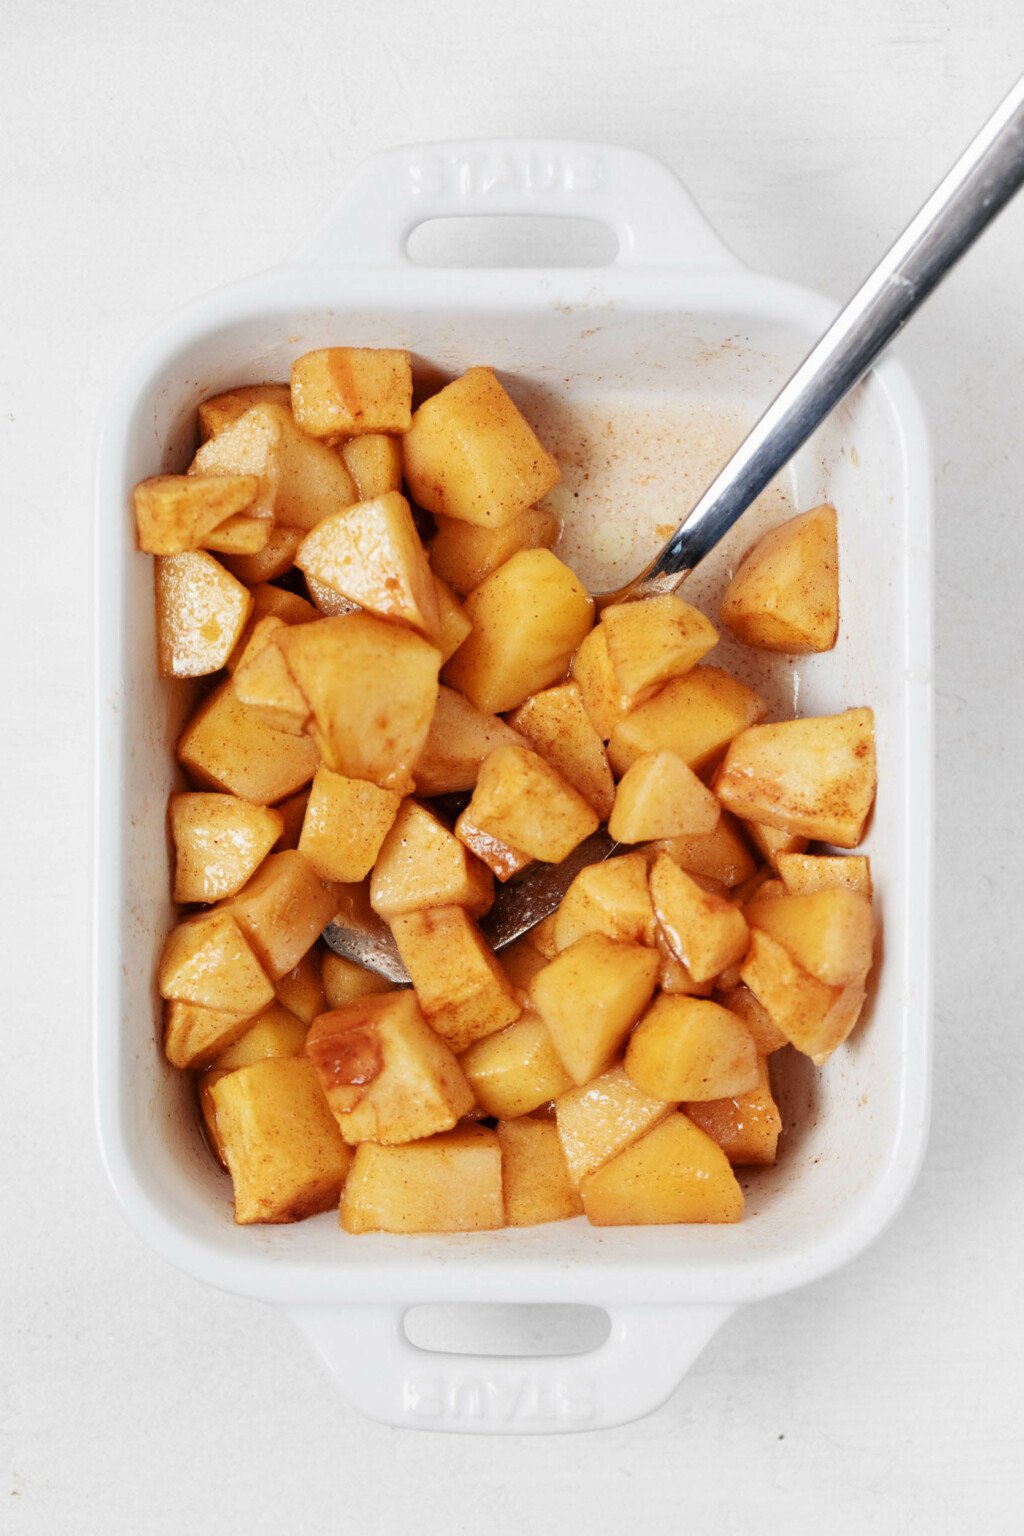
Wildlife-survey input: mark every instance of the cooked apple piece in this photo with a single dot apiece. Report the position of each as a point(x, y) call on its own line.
point(200, 613)
point(421, 864)
point(204, 1082)
point(175, 513)
point(785, 594)
point(556, 725)
point(226, 745)
point(272, 559)
point(384, 1072)
point(814, 777)
point(829, 933)
point(461, 987)
point(470, 454)
point(345, 824)
point(447, 1183)
point(813, 1016)
point(521, 961)
point(690, 1048)
point(742, 1002)
point(281, 1144)
point(522, 803)
point(346, 391)
point(274, 1032)
point(528, 618)
point(704, 931)
point(329, 603)
point(650, 643)
point(659, 796)
point(375, 463)
point(805, 873)
point(300, 480)
point(695, 717)
point(300, 989)
point(263, 681)
point(293, 813)
point(746, 1126)
point(535, 1178)
point(675, 978)
point(460, 737)
point(612, 898)
point(372, 687)
point(194, 1034)
point(344, 981)
point(221, 410)
point(592, 673)
point(269, 602)
point(773, 842)
point(207, 961)
point(371, 554)
point(675, 1173)
point(464, 555)
point(283, 910)
point(721, 854)
point(238, 535)
point(516, 1070)
point(219, 841)
point(597, 1120)
point(590, 996)
point(453, 624)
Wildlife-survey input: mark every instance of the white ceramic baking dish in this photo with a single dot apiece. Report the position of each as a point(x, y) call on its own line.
point(640, 371)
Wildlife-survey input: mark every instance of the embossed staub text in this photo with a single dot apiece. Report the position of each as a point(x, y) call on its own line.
point(520, 1399)
point(540, 170)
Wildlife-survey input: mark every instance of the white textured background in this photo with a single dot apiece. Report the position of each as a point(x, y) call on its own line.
point(151, 152)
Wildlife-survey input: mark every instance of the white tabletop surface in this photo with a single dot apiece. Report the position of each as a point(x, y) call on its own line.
point(150, 153)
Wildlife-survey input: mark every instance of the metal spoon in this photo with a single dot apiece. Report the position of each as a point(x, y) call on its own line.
point(980, 184)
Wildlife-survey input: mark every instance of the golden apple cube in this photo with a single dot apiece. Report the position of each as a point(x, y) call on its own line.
point(460, 737)
point(175, 513)
point(263, 681)
point(557, 726)
point(590, 996)
point(516, 1070)
point(695, 717)
point(461, 987)
point(829, 933)
point(193, 1034)
point(300, 990)
point(804, 873)
point(421, 864)
point(371, 554)
point(528, 618)
point(269, 602)
point(274, 1032)
point(659, 796)
point(206, 960)
point(470, 454)
point(293, 814)
point(773, 842)
point(522, 803)
point(221, 410)
point(375, 463)
point(346, 391)
point(746, 1126)
point(815, 777)
point(384, 1072)
point(691, 1048)
point(543, 938)
point(612, 898)
point(706, 932)
point(536, 1180)
point(238, 535)
point(372, 688)
point(344, 981)
point(651, 642)
point(200, 613)
point(228, 746)
point(593, 675)
point(597, 1120)
point(521, 961)
point(219, 841)
point(283, 909)
point(675, 978)
point(464, 554)
point(275, 557)
point(721, 854)
point(345, 824)
point(813, 1016)
point(447, 1183)
point(453, 623)
point(280, 1141)
point(300, 479)
point(741, 1001)
point(676, 1173)
point(785, 594)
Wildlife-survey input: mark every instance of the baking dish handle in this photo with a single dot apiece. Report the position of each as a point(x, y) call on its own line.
point(651, 213)
point(382, 1373)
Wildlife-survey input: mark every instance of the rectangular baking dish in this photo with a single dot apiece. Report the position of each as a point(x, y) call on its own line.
point(640, 371)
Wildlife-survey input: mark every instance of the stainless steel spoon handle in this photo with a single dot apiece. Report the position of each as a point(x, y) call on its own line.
point(982, 181)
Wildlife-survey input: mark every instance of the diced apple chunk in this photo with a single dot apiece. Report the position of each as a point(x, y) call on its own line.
point(221, 410)
point(274, 1032)
point(219, 841)
point(345, 391)
point(523, 805)
point(269, 601)
point(193, 1034)
point(207, 961)
point(590, 996)
point(659, 796)
point(371, 554)
point(385, 1074)
point(283, 909)
point(746, 1126)
point(804, 873)
point(613, 898)
point(345, 824)
point(592, 672)
point(464, 555)
point(651, 642)
point(536, 1181)
point(815, 777)
point(238, 535)
point(275, 557)
point(447, 1183)
point(742, 1002)
point(675, 1173)
point(597, 1120)
point(229, 746)
point(300, 989)
point(460, 737)
point(829, 933)
point(453, 623)
point(690, 1048)
point(421, 864)
point(785, 594)
point(557, 726)
point(263, 682)
point(460, 985)
point(200, 613)
point(470, 454)
point(695, 717)
point(521, 961)
point(283, 1149)
point(813, 1016)
point(704, 931)
point(721, 854)
point(516, 1070)
point(773, 842)
point(175, 513)
point(375, 463)
point(300, 480)
point(344, 981)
